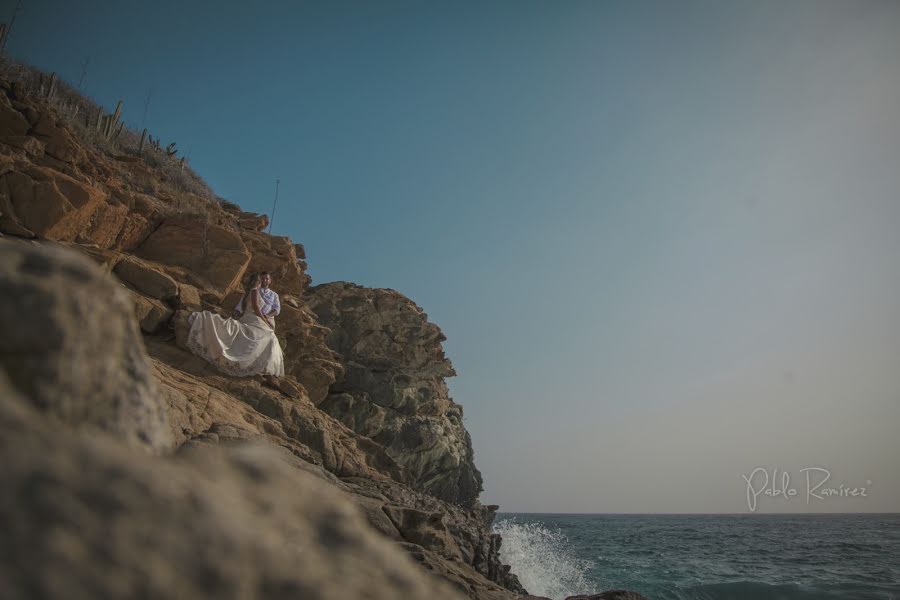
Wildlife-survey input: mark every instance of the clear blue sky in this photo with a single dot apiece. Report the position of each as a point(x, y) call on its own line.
point(661, 237)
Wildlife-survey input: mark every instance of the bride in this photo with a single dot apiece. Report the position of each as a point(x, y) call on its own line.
point(243, 347)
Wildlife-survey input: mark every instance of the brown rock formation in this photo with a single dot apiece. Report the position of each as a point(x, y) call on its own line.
point(278, 256)
point(212, 524)
point(146, 279)
point(212, 257)
point(46, 202)
point(393, 390)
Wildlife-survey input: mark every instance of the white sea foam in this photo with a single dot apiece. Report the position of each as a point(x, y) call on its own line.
point(543, 560)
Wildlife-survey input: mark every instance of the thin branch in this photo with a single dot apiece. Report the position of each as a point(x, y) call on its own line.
point(9, 29)
point(274, 202)
point(84, 67)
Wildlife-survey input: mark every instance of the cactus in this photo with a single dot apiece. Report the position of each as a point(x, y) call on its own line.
point(141, 145)
point(171, 150)
point(52, 87)
point(99, 118)
point(113, 121)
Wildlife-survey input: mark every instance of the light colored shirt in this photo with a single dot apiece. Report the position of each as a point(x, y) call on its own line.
point(269, 306)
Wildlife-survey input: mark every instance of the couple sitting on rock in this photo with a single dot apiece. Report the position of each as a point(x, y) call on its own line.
point(245, 344)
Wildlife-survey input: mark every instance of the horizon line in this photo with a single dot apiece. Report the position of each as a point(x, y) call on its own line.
point(692, 513)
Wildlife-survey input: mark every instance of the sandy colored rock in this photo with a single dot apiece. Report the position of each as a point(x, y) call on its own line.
point(189, 297)
point(307, 354)
point(253, 222)
point(58, 142)
point(105, 225)
point(70, 344)
point(295, 421)
point(278, 256)
point(214, 258)
point(49, 203)
point(151, 314)
point(144, 214)
point(134, 231)
point(146, 279)
point(105, 259)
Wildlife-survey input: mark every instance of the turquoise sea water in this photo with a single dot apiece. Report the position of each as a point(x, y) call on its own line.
point(706, 557)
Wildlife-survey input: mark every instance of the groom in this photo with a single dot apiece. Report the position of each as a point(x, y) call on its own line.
point(271, 306)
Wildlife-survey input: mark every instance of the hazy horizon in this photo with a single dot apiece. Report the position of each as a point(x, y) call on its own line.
point(660, 238)
point(696, 514)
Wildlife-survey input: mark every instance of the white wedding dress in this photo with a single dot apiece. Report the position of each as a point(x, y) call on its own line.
point(243, 347)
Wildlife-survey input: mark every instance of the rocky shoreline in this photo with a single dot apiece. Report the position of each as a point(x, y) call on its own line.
point(133, 469)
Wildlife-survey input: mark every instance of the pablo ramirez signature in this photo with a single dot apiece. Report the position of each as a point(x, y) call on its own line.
point(816, 477)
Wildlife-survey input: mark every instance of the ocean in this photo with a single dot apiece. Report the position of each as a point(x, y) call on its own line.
point(706, 557)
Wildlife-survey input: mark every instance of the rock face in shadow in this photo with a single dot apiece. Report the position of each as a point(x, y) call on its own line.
point(393, 388)
point(70, 344)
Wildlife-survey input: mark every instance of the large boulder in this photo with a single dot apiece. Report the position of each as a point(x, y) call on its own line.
point(211, 256)
point(151, 314)
point(393, 387)
point(86, 517)
point(142, 216)
point(276, 255)
point(47, 203)
point(307, 355)
point(198, 397)
point(146, 279)
point(70, 344)
point(58, 142)
point(105, 225)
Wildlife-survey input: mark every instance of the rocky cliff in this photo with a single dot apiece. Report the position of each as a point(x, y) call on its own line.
point(134, 469)
point(392, 389)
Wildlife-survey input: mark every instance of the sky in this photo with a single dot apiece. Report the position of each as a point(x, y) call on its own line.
point(661, 238)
